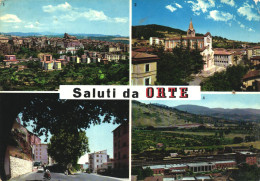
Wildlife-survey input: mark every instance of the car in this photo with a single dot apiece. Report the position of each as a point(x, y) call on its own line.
point(40, 169)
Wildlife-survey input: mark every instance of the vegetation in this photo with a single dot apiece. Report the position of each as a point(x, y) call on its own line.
point(228, 80)
point(175, 68)
point(246, 173)
point(67, 147)
point(155, 140)
point(142, 173)
point(34, 78)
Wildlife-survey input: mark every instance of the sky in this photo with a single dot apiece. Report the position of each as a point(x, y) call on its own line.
point(100, 138)
point(231, 19)
point(218, 101)
point(71, 16)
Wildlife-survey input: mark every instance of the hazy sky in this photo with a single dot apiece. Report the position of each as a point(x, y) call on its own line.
point(71, 16)
point(219, 101)
point(232, 19)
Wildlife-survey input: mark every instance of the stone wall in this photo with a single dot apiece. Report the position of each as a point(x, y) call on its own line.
point(19, 166)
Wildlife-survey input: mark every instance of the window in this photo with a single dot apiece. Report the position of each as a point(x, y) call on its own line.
point(147, 67)
point(147, 81)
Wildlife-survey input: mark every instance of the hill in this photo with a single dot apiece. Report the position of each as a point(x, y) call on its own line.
point(159, 115)
point(153, 30)
point(232, 114)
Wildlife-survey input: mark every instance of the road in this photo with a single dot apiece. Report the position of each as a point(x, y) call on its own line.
point(36, 176)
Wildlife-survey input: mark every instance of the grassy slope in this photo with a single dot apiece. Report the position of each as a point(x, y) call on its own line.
point(150, 115)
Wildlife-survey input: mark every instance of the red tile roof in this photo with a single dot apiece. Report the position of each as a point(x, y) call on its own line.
point(143, 57)
point(221, 51)
point(251, 74)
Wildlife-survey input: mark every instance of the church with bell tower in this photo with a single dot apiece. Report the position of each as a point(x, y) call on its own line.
point(203, 43)
point(191, 30)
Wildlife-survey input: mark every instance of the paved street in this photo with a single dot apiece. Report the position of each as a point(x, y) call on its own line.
point(61, 177)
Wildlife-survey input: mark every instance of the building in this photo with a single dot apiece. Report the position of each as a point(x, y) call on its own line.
point(19, 154)
point(203, 43)
point(222, 57)
point(197, 167)
point(121, 146)
point(10, 59)
point(251, 81)
point(246, 157)
point(144, 68)
point(41, 153)
point(97, 159)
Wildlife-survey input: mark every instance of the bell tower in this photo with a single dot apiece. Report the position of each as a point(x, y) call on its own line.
point(191, 30)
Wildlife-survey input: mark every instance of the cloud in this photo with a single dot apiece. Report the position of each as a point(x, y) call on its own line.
point(246, 10)
point(250, 29)
point(178, 5)
point(91, 15)
point(244, 27)
point(201, 5)
point(220, 16)
point(256, 1)
point(94, 15)
point(29, 26)
point(72, 14)
point(241, 25)
point(171, 8)
point(228, 2)
point(121, 20)
point(10, 18)
point(60, 7)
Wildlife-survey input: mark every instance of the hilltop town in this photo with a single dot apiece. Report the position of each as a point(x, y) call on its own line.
point(194, 58)
point(31, 63)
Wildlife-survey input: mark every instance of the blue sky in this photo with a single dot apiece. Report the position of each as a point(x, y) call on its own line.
point(219, 101)
point(100, 138)
point(71, 16)
point(232, 19)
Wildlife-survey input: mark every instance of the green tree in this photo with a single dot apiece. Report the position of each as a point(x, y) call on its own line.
point(228, 80)
point(176, 67)
point(80, 52)
point(237, 140)
point(67, 147)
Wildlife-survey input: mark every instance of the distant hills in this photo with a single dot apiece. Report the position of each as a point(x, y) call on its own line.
point(233, 114)
point(101, 37)
point(158, 115)
point(56, 34)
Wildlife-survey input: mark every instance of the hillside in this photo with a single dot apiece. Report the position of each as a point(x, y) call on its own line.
point(158, 115)
point(153, 30)
point(154, 115)
point(147, 31)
